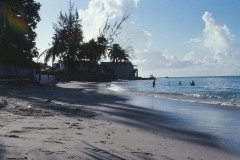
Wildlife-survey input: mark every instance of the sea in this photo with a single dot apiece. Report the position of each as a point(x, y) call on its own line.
point(222, 90)
point(211, 106)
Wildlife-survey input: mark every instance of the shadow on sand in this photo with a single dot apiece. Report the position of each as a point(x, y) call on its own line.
point(73, 102)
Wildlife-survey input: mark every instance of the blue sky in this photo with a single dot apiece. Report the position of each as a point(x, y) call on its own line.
point(170, 38)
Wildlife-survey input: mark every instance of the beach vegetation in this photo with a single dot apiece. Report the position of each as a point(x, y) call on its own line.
point(18, 20)
point(117, 53)
point(94, 50)
point(68, 43)
point(104, 46)
point(67, 40)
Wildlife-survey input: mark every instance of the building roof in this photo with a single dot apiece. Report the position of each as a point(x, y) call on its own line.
point(116, 63)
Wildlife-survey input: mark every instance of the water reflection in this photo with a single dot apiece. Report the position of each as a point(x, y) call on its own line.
point(221, 123)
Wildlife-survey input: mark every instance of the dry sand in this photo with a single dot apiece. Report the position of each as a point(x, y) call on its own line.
point(74, 121)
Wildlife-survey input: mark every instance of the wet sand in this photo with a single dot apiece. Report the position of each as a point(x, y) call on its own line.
point(84, 121)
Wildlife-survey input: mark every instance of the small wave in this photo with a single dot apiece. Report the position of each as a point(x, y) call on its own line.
point(223, 99)
point(117, 88)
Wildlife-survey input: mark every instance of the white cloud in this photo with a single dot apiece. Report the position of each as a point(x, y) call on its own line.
point(217, 43)
point(221, 42)
point(189, 56)
point(220, 55)
point(138, 61)
point(94, 18)
point(164, 60)
point(194, 40)
point(217, 38)
point(219, 47)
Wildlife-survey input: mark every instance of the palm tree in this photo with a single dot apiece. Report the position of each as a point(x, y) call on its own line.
point(94, 50)
point(66, 41)
point(117, 53)
point(113, 52)
point(52, 52)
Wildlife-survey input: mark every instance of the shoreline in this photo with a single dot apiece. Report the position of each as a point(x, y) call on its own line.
point(82, 120)
point(212, 119)
point(176, 92)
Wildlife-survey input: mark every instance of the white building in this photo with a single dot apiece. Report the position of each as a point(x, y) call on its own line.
point(45, 78)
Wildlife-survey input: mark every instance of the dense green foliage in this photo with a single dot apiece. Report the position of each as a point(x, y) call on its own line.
point(68, 44)
point(18, 19)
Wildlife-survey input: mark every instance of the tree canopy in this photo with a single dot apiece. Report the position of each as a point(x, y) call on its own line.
point(67, 39)
point(18, 19)
point(117, 53)
point(68, 44)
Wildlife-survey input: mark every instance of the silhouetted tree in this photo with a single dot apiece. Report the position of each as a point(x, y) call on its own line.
point(111, 31)
point(18, 19)
point(94, 50)
point(67, 40)
point(116, 53)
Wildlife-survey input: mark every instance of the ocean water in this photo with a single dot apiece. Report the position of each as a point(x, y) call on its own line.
point(222, 123)
point(224, 90)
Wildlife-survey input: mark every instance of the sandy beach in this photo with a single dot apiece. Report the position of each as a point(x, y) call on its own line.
point(78, 120)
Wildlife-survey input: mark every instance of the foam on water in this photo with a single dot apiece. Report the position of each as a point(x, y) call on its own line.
point(208, 90)
point(222, 123)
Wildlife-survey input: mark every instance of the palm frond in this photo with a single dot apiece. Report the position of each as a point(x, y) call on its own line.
point(49, 55)
point(41, 54)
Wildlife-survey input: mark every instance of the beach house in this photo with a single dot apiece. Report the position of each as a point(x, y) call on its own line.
point(122, 70)
point(103, 71)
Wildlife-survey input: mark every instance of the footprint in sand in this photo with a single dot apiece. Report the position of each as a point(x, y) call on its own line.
point(74, 124)
point(12, 136)
point(79, 133)
point(104, 142)
point(149, 154)
point(61, 152)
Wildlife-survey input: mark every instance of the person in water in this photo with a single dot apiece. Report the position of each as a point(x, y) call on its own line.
point(192, 83)
point(180, 83)
point(154, 83)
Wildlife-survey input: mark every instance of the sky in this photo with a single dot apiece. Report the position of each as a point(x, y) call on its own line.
point(170, 38)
